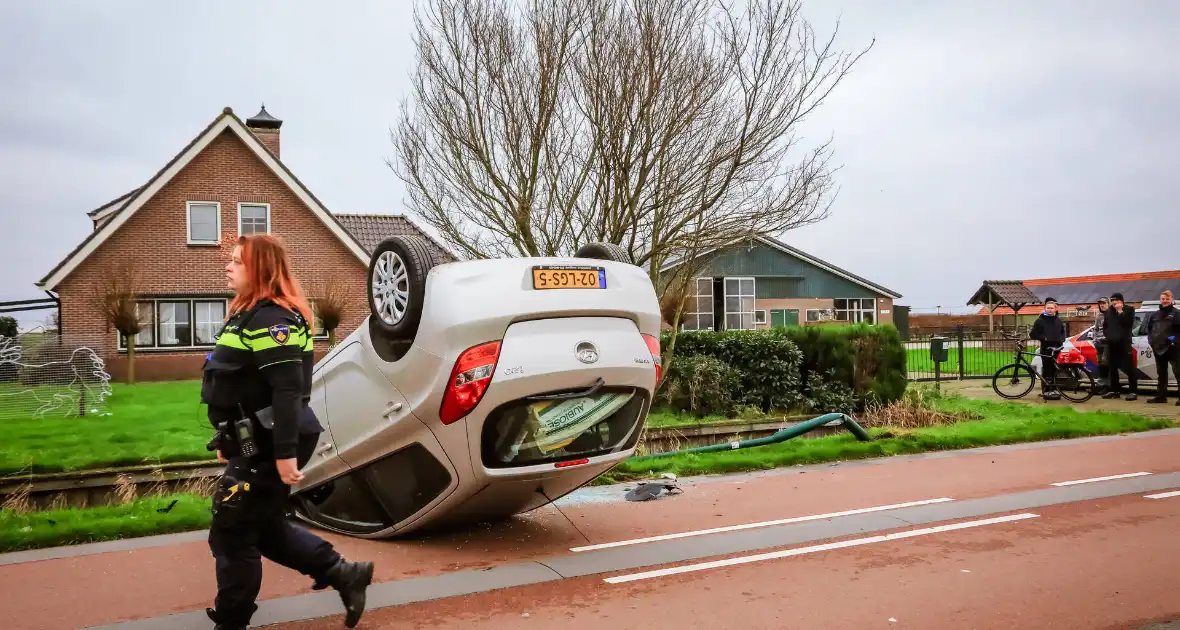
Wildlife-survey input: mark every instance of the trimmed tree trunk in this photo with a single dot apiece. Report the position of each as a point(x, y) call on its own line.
point(131, 359)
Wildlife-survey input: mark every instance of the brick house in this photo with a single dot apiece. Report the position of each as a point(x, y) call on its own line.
point(763, 282)
point(177, 229)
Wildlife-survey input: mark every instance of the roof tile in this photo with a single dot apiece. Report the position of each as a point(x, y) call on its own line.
point(370, 229)
point(1116, 277)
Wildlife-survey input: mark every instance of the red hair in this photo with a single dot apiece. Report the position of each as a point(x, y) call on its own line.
point(268, 269)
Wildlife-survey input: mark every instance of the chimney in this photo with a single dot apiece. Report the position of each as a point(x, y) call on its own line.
point(266, 128)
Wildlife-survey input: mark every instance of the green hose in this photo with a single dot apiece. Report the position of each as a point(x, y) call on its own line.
point(780, 436)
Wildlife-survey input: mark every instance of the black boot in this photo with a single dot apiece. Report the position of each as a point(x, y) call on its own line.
point(220, 626)
point(351, 579)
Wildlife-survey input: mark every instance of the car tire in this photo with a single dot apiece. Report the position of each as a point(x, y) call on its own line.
point(397, 285)
point(603, 251)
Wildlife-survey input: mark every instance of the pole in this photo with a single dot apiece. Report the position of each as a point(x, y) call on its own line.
point(781, 436)
point(937, 375)
point(962, 361)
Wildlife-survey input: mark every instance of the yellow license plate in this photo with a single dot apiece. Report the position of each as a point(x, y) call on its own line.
point(569, 278)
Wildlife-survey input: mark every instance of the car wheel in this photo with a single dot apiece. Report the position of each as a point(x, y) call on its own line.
point(397, 284)
point(603, 251)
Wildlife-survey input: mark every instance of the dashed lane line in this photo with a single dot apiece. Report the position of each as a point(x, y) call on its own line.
point(734, 528)
point(786, 553)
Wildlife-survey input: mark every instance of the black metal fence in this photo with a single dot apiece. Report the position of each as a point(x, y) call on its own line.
point(971, 353)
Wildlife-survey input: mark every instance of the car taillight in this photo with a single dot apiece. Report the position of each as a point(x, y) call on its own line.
point(653, 345)
point(469, 380)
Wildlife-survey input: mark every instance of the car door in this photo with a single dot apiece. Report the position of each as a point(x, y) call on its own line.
point(360, 401)
point(325, 463)
point(1144, 356)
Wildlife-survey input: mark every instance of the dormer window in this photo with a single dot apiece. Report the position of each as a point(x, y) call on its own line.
point(204, 222)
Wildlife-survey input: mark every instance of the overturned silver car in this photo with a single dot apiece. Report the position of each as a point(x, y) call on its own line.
point(477, 390)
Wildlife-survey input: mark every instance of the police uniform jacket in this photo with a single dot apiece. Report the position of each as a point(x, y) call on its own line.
point(261, 369)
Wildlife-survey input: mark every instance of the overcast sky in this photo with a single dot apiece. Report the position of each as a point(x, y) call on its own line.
point(977, 140)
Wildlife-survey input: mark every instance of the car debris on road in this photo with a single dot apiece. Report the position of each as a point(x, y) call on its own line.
point(648, 490)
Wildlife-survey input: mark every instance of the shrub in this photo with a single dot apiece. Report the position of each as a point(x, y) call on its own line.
point(701, 384)
point(870, 360)
point(8, 327)
point(817, 368)
point(767, 364)
point(826, 394)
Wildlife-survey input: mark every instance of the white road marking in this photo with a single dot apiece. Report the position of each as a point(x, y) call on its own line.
point(1163, 495)
point(815, 548)
point(1077, 481)
point(733, 528)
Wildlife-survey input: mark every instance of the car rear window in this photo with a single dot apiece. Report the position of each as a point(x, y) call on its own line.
point(530, 432)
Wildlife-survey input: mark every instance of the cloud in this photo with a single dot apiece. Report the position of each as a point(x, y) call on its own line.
point(977, 140)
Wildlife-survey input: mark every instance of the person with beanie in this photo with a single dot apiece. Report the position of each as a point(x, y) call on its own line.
point(1119, 327)
point(1050, 331)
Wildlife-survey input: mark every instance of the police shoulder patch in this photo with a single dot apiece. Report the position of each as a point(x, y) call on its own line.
point(281, 333)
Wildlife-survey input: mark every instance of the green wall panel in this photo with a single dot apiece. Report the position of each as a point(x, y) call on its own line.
point(795, 278)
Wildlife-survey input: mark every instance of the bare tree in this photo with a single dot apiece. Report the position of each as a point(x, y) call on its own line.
point(114, 295)
point(666, 126)
point(331, 299)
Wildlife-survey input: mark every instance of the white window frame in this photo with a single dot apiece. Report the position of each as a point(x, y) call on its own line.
point(216, 324)
point(155, 327)
point(752, 295)
point(251, 203)
point(695, 298)
point(188, 221)
point(856, 315)
point(761, 316)
point(825, 315)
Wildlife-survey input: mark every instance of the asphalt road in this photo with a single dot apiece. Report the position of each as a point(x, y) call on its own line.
point(1096, 555)
point(1096, 564)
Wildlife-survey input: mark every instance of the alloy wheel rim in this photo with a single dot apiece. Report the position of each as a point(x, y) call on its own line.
point(391, 288)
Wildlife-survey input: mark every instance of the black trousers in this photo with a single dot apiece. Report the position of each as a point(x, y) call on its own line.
point(1162, 361)
point(1119, 358)
point(252, 523)
point(1048, 368)
point(1103, 365)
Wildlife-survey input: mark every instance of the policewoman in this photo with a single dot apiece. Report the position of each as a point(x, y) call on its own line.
point(257, 384)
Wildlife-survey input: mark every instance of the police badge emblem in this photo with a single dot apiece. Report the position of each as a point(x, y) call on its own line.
point(280, 333)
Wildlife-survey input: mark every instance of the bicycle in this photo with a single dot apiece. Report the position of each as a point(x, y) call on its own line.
point(1072, 381)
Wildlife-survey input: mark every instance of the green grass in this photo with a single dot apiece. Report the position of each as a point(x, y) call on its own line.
point(71, 526)
point(150, 423)
point(976, 361)
point(1004, 423)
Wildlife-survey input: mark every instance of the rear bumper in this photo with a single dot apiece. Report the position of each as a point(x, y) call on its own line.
point(540, 357)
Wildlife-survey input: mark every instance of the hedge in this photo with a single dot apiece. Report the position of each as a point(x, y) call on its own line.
point(870, 359)
point(813, 368)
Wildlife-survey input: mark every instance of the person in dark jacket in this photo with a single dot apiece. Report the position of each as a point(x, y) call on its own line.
point(1100, 343)
point(257, 384)
point(1162, 327)
point(1050, 331)
point(1119, 326)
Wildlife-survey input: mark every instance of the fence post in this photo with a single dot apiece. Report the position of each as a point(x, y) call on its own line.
point(962, 360)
